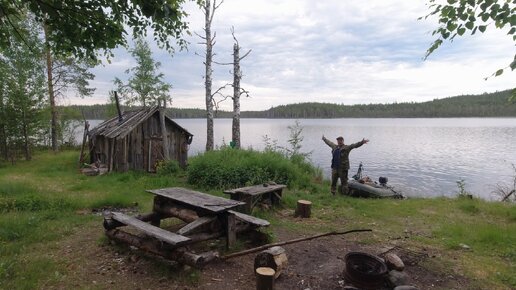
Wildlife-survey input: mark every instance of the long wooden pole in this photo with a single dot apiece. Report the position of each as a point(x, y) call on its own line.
point(257, 249)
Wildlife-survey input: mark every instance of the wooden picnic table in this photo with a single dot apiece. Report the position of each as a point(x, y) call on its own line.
point(251, 195)
point(206, 217)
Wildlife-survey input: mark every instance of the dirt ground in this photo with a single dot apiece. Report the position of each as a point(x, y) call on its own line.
point(93, 263)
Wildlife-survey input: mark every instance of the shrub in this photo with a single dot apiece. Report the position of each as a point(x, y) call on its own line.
point(229, 168)
point(167, 167)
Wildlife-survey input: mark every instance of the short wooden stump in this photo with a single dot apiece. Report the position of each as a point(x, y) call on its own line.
point(265, 278)
point(304, 208)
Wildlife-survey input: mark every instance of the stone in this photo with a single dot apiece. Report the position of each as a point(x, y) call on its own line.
point(394, 262)
point(406, 287)
point(397, 278)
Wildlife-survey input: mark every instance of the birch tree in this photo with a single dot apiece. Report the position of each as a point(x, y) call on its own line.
point(456, 17)
point(22, 91)
point(83, 28)
point(209, 11)
point(145, 85)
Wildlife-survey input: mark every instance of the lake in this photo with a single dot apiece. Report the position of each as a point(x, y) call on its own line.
point(421, 157)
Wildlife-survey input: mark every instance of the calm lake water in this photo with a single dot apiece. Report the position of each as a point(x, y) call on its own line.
point(421, 157)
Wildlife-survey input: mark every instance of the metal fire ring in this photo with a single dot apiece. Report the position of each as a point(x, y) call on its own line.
point(365, 270)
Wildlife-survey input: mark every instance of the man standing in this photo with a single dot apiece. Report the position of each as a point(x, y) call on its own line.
point(340, 162)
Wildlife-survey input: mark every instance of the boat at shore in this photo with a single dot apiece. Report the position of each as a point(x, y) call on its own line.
point(372, 190)
point(365, 187)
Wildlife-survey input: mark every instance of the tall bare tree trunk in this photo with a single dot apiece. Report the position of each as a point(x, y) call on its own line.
point(3, 133)
point(53, 109)
point(26, 145)
point(237, 75)
point(237, 90)
point(3, 142)
point(208, 81)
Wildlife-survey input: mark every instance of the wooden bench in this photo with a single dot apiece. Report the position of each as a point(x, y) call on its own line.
point(158, 233)
point(251, 220)
point(251, 195)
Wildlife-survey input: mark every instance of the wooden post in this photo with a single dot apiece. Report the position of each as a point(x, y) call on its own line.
point(149, 156)
point(231, 231)
point(264, 278)
point(164, 136)
point(84, 137)
point(274, 258)
point(303, 208)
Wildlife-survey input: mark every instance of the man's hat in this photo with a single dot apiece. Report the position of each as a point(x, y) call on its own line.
point(340, 138)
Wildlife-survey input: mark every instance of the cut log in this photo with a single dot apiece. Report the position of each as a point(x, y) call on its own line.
point(156, 247)
point(187, 215)
point(274, 258)
point(303, 208)
point(264, 278)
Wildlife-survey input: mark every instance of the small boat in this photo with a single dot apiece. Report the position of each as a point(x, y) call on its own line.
point(364, 187)
point(372, 189)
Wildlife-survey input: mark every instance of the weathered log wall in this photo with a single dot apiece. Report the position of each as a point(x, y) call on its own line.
point(141, 148)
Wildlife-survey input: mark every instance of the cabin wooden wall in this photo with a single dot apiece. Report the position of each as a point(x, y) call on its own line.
point(142, 148)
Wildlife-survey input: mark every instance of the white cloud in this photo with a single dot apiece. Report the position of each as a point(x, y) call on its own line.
point(329, 51)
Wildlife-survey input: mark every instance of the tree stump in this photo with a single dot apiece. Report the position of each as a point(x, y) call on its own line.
point(303, 208)
point(274, 258)
point(264, 278)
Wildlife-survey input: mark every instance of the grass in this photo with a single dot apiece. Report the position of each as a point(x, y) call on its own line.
point(42, 202)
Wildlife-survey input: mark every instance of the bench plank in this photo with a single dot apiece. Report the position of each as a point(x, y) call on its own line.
point(249, 219)
point(158, 233)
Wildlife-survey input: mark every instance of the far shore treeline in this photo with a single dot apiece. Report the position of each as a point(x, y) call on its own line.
point(484, 105)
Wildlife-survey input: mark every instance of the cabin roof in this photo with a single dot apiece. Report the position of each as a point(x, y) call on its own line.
point(112, 128)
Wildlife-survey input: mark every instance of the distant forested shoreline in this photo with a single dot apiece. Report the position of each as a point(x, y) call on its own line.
point(484, 105)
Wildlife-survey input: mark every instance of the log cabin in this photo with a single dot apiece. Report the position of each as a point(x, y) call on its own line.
point(134, 140)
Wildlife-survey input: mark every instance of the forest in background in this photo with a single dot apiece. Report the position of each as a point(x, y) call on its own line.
point(484, 105)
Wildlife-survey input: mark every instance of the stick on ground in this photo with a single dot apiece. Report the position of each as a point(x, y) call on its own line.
point(257, 249)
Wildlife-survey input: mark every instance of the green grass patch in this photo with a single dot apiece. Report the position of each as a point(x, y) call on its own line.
point(42, 203)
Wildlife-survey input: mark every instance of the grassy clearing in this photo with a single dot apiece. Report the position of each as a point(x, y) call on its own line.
point(42, 202)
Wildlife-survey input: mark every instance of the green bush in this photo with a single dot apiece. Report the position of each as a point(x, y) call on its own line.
point(168, 167)
point(229, 168)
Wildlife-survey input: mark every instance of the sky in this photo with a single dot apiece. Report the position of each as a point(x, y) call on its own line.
point(332, 51)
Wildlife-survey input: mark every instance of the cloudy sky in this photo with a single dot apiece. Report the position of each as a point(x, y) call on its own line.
point(346, 52)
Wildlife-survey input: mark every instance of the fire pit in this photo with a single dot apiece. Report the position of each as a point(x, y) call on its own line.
point(364, 270)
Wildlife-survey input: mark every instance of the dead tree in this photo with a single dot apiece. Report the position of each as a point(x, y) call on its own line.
point(507, 192)
point(237, 90)
point(209, 40)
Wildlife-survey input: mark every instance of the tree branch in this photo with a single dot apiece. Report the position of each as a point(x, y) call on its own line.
point(257, 249)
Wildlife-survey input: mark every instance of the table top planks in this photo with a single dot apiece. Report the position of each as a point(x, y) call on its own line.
point(197, 199)
point(256, 189)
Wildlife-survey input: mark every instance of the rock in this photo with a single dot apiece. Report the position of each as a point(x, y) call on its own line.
point(406, 287)
point(397, 278)
point(464, 246)
point(394, 262)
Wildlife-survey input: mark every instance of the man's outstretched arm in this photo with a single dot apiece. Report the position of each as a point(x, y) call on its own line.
point(329, 143)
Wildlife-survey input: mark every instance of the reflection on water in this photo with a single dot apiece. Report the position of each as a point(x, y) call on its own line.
point(422, 157)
